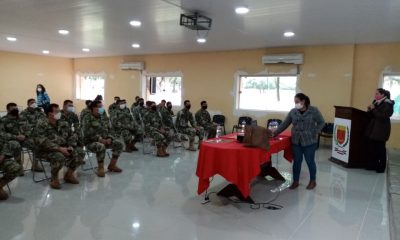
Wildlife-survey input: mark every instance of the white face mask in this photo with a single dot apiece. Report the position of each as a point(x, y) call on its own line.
point(298, 106)
point(57, 116)
point(71, 109)
point(39, 89)
point(122, 106)
point(33, 105)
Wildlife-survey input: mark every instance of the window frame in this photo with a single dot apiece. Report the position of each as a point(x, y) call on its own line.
point(78, 77)
point(237, 90)
point(392, 119)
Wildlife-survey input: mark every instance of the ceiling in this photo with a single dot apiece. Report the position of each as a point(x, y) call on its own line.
point(103, 26)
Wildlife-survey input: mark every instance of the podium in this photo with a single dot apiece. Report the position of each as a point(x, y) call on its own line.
point(349, 141)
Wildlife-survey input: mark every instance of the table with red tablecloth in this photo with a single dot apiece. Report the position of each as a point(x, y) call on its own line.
point(235, 162)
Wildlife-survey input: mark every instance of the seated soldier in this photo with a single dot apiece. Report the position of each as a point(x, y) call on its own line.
point(56, 142)
point(29, 118)
point(125, 126)
point(113, 105)
point(156, 130)
point(183, 118)
point(11, 131)
point(8, 166)
point(169, 108)
point(203, 119)
point(85, 111)
point(97, 138)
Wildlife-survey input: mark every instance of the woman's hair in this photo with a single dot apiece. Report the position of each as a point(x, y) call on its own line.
point(384, 92)
point(40, 86)
point(303, 97)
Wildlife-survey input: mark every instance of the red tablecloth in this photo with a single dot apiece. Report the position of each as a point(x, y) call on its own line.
point(235, 162)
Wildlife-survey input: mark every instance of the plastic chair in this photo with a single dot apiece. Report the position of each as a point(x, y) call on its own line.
point(220, 120)
point(247, 119)
point(326, 132)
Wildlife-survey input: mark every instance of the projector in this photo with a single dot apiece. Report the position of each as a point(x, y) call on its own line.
point(196, 22)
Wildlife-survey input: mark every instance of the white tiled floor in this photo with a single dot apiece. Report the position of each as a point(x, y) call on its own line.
point(156, 199)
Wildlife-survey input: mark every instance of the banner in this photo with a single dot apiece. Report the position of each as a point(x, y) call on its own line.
point(341, 139)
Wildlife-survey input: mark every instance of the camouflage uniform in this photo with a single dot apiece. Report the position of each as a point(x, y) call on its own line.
point(73, 121)
point(138, 113)
point(183, 118)
point(95, 128)
point(84, 113)
point(166, 117)
point(49, 138)
point(111, 108)
point(10, 128)
point(125, 126)
point(153, 126)
point(9, 166)
point(203, 119)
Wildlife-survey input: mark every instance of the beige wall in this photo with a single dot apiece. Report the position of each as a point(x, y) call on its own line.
point(20, 73)
point(331, 75)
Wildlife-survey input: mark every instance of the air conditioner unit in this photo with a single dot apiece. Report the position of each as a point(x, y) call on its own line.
point(296, 58)
point(132, 66)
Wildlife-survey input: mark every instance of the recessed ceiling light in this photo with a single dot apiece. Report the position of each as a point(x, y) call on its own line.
point(201, 40)
point(86, 49)
point(135, 23)
point(11, 39)
point(46, 52)
point(136, 45)
point(242, 10)
point(63, 32)
point(289, 34)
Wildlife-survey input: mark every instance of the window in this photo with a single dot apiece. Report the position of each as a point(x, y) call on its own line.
point(88, 85)
point(168, 88)
point(392, 83)
point(271, 93)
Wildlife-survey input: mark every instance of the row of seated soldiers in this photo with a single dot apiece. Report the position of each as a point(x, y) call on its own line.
point(59, 135)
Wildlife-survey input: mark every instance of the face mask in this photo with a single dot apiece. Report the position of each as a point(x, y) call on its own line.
point(71, 109)
point(204, 107)
point(57, 116)
point(298, 106)
point(33, 105)
point(39, 89)
point(154, 108)
point(14, 112)
point(378, 97)
point(141, 104)
point(101, 111)
point(122, 106)
point(169, 107)
point(187, 107)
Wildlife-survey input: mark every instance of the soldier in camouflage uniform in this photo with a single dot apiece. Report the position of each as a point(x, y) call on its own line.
point(85, 111)
point(184, 117)
point(8, 166)
point(125, 126)
point(156, 130)
point(97, 138)
point(138, 111)
point(56, 142)
point(169, 108)
point(203, 119)
point(11, 131)
point(113, 106)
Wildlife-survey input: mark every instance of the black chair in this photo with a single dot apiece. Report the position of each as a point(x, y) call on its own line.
point(326, 132)
point(279, 121)
point(220, 120)
point(246, 119)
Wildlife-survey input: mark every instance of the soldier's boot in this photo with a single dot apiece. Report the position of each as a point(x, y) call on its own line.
point(164, 149)
point(55, 183)
point(191, 145)
point(112, 167)
point(36, 167)
point(70, 178)
point(3, 194)
point(128, 147)
point(134, 148)
point(160, 152)
point(100, 170)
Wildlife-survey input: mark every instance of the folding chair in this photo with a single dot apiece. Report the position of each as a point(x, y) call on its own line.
point(326, 132)
point(88, 157)
point(40, 160)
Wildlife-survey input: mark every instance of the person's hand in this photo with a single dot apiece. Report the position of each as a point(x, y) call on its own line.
point(103, 141)
point(108, 141)
point(162, 130)
point(64, 151)
point(21, 138)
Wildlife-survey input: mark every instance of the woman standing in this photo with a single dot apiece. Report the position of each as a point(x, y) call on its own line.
point(42, 98)
point(307, 122)
point(378, 130)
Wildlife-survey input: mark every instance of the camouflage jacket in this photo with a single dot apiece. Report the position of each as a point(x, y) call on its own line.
point(183, 118)
point(83, 114)
point(152, 121)
point(5, 149)
point(49, 137)
point(10, 127)
point(72, 119)
point(111, 108)
point(30, 117)
point(203, 118)
point(138, 110)
point(122, 119)
point(166, 117)
point(95, 128)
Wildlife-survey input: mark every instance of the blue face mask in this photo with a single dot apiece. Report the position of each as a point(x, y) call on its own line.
point(101, 111)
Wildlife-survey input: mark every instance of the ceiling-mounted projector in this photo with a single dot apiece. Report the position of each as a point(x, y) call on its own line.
point(196, 22)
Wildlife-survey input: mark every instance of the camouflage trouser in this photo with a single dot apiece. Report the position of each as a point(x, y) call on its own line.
point(100, 149)
point(58, 160)
point(211, 130)
point(192, 132)
point(129, 135)
point(16, 148)
point(10, 169)
point(161, 138)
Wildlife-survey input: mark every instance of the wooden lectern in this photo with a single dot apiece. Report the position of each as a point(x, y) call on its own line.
point(349, 141)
